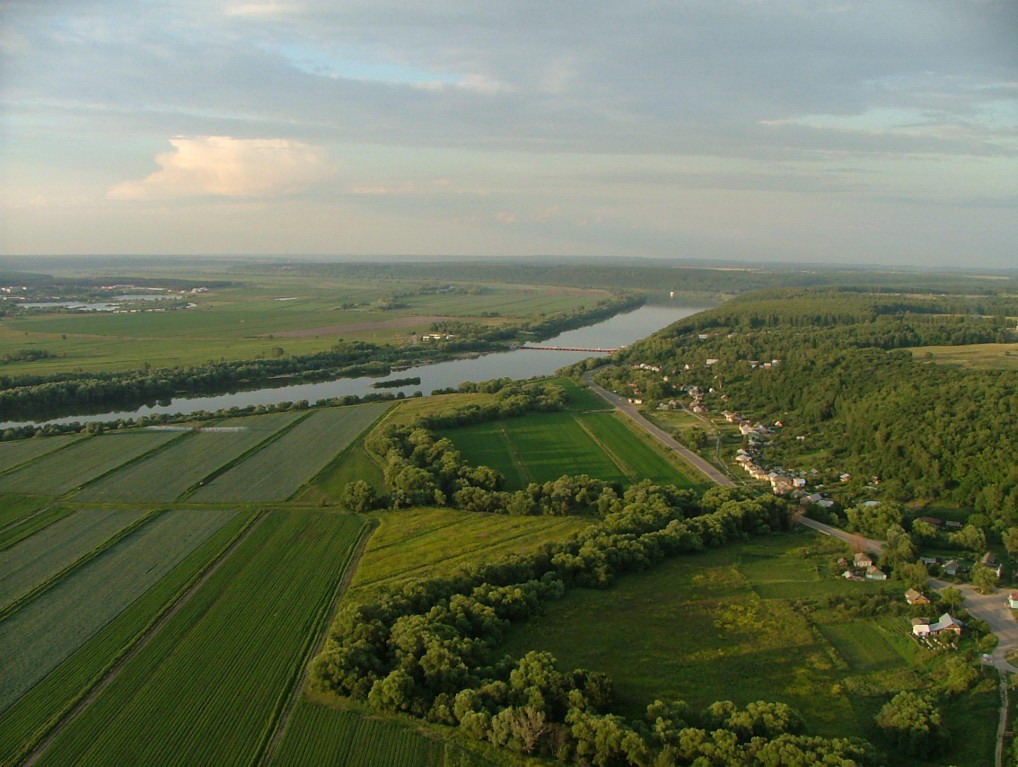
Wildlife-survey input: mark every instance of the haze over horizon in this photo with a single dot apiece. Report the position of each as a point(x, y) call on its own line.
point(821, 132)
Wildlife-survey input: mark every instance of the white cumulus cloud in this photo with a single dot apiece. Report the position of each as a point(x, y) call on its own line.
point(228, 167)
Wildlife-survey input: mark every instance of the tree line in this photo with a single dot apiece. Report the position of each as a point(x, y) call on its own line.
point(429, 648)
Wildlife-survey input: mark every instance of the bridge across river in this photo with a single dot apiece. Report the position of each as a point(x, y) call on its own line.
point(591, 349)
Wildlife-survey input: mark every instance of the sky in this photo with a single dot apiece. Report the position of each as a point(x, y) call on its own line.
point(842, 131)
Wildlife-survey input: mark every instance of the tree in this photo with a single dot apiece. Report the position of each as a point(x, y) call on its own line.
point(913, 724)
point(969, 537)
point(952, 598)
point(359, 496)
point(914, 575)
point(1010, 537)
point(984, 580)
point(960, 675)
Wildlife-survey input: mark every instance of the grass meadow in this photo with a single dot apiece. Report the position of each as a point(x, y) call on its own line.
point(427, 543)
point(711, 626)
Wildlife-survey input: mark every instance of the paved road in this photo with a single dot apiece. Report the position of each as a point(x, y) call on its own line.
point(857, 542)
point(991, 608)
point(659, 434)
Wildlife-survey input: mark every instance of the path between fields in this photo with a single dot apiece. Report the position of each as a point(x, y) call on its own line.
point(316, 648)
point(114, 671)
point(657, 433)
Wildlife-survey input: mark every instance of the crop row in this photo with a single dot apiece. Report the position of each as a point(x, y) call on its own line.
point(63, 470)
point(31, 562)
point(32, 523)
point(26, 721)
point(42, 633)
point(208, 688)
point(165, 475)
point(21, 451)
point(278, 470)
point(319, 735)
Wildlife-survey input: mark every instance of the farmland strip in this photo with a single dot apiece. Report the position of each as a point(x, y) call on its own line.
point(33, 524)
point(50, 702)
point(85, 460)
point(36, 638)
point(317, 642)
point(24, 567)
point(278, 470)
point(19, 452)
point(185, 463)
point(206, 688)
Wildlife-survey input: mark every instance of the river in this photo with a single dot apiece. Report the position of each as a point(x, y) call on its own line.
point(620, 330)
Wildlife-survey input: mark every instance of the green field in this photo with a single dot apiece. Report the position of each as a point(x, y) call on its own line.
point(696, 628)
point(42, 633)
point(636, 454)
point(279, 469)
point(167, 474)
point(59, 472)
point(43, 555)
point(428, 543)
point(541, 447)
point(209, 686)
point(353, 464)
point(17, 452)
point(262, 310)
point(319, 735)
point(32, 523)
point(978, 356)
point(30, 717)
point(15, 508)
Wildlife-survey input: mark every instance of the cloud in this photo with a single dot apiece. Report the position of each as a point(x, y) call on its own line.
point(228, 167)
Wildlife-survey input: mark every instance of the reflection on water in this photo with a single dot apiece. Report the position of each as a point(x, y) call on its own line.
point(617, 331)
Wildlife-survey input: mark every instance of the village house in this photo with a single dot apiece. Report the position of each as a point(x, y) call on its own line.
point(934, 521)
point(990, 561)
point(914, 597)
point(954, 567)
point(875, 574)
point(862, 559)
point(1012, 600)
point(923, 627)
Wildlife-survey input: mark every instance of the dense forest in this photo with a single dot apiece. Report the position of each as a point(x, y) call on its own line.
point(833, 367)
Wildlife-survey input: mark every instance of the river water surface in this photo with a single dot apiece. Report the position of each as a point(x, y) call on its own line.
point(620, 330)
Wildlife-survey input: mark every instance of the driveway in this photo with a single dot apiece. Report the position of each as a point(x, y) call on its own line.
point(993, 609)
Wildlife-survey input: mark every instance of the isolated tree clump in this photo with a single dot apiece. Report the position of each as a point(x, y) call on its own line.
point(913, 724)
